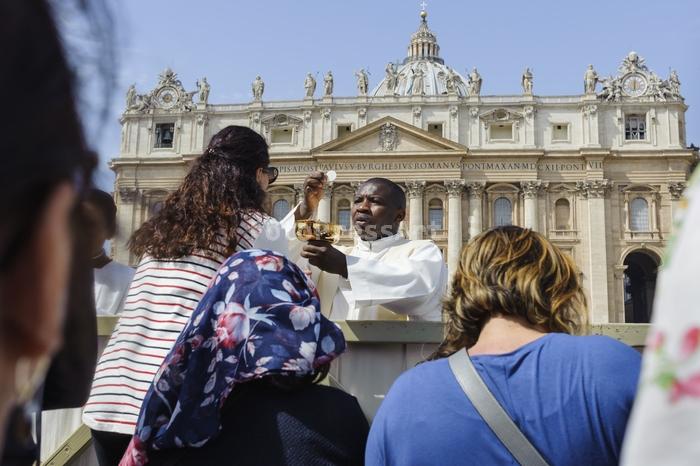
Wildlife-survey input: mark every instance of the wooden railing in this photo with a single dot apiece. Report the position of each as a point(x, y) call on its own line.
point(378, 352)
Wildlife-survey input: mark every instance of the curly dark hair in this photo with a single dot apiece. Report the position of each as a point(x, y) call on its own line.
point(219, 187)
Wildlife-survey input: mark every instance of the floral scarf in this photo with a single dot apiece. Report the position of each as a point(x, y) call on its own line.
point(260, 316)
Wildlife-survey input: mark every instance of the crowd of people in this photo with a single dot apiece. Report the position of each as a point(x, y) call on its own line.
point(226, 328)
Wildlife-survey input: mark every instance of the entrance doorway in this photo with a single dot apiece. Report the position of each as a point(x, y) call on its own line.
point(639, 285)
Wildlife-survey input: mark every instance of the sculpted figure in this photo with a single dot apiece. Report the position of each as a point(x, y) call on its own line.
point(131, 97)
point(590, 79)
point(328, 84)
point(362, 82)
point(418, 82)
point(526, 82)
point(392, 78)
point(674, 84)
point(204, 89)
point(451, 81)
point(474, 83)
point(258, 88)
point(310, 85)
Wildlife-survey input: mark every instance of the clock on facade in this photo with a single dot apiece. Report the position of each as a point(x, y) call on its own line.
point(634, 85)
point(167, 97)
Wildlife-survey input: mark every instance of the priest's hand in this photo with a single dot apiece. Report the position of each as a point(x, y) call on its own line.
point(327, 258)
point(313, 191)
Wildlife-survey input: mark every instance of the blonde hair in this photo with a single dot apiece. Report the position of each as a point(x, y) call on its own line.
point(512, 272)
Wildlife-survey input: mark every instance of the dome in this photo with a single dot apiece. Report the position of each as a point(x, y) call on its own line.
point(422, 72)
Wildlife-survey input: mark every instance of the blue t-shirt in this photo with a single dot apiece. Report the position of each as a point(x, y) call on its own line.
point(571, 397)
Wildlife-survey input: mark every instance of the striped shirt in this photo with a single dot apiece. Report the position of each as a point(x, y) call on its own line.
point(160, 300)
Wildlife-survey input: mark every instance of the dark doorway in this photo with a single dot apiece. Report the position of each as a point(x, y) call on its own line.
point(640, 284)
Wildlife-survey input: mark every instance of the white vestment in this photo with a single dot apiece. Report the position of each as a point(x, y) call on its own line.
point(392, 278)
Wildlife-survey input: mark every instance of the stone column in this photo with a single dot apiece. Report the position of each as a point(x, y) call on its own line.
point(676, 190)
point(128, 198)
point(594, 191)
point(324, 205)
point(414, 190)
point(530, 194)
point(454, 223)
point(476, 191)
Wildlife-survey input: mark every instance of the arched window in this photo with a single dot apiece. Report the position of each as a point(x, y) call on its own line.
point(562, 214)
point(154, 208)
point(502, 212)
point(639, 214)
point(344, 214)
point(436, 215)
point(280, 209)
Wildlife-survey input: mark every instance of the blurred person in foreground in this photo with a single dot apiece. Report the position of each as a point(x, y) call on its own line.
point(516, 303)
point(665, 424)
point(45, 166)
point(239, 386)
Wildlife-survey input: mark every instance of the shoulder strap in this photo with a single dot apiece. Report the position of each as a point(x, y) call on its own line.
point(492, 412)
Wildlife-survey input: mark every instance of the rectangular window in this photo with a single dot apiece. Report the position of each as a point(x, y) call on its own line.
point(165, 133)
point(501, 131)
point(635, 127)
point(281, 136)
point(344, 130)
point(560, 132)
point(435, 128)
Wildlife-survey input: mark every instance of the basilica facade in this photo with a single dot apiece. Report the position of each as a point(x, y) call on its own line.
point(600, 173)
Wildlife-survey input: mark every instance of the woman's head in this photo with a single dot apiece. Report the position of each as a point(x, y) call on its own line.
point(229, 178)
point(516, 273)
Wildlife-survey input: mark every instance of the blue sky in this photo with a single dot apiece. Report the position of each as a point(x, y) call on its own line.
point(230, 42)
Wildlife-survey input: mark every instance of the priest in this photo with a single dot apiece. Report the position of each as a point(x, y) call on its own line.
point(384, 276)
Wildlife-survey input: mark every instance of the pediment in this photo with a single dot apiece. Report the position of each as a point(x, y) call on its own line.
point(391, 136)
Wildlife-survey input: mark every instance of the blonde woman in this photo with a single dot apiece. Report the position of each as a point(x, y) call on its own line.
point(516, 304)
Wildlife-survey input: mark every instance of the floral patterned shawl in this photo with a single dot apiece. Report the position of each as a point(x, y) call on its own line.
point(260, 316)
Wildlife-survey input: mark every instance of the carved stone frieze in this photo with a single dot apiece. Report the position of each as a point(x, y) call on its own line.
point(593, 188)
point(414, 189)
point(454, 187)
point(676, 189)
point(388, 137)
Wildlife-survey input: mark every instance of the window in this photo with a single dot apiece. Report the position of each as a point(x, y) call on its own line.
point(635, 127)
point(281, 136)
point(280, 209)
point(639, 214)
point(436, 215)
point(502, 212)
point(154, 208)
point(501, 131)
point(560, 132)
point(344, 130)
point(344, 214)
point(164, 135)
point(562, 214)
point(435, 128)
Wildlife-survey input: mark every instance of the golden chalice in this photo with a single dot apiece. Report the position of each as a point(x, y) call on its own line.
point(310, 230)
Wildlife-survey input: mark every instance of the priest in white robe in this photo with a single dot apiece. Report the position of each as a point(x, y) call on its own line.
point(384, 276)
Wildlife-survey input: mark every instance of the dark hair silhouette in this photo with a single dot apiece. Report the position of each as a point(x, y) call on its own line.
point(220, 186)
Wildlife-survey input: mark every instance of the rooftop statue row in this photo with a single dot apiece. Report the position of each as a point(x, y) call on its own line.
point(418, 78)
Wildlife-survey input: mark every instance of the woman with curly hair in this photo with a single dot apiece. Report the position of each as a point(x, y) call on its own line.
point(516, 307)
point(217, 211)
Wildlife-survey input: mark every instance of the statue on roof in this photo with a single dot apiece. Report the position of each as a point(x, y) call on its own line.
point(674, 84)
point(310, 86)
point(590, 79)
point(204, 89)
point(362, 82)
point(418, 84)
point(452, 79)
point(474, 83)
point(392, 78)
point(131, 97)
point(328, 84)
point(526, 82)
point(258, 88)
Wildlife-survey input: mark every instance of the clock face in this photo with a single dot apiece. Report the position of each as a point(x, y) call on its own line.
point(634, 85)
point(167, 97)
